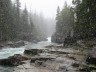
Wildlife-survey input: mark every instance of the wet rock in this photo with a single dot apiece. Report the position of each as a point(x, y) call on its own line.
point(58, 52)
point(91, 58)
point(75, 65)
point(33, 51)
point(1, 45)
point(87, 68)
point(55, 46)
point(41, 58)
point(50, 46)
point(93, 71)
point(62, 68)
point(13, 60)
point(71, 57)
point(84, 70)
point(37, 62)
point(16, 44)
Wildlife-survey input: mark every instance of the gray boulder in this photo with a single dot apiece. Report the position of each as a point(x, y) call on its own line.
point(13, 60)
point(33, 51)
point(91, 57)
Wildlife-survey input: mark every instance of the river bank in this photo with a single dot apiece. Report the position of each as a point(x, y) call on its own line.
point(51, 58)
point(65, 60)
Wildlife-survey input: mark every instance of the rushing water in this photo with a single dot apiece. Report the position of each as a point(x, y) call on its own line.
point(60, 60)
point(49, 39)
point(4, 53)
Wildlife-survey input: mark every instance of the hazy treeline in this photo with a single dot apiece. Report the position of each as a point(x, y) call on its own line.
point(77, 21)
point(13, 20)
point(16, 23)
point(45, 26)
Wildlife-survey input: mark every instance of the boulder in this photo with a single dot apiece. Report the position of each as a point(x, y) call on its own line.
point(37, 62)
point(33, 51)
point(91, 57)
point(62, 68)
point(13, 60)
point(75, 64)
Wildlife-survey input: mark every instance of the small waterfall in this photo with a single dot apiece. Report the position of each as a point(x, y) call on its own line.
point(49, 39)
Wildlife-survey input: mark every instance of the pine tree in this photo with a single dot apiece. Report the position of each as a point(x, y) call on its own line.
point(85, 24)
point(5, 19)
point(64, 24)
point(25, 23)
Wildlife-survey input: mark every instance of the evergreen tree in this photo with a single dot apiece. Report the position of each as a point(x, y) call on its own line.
point(85, 25)
point(25, 23)
point(17, 17)
point(6, 20)
point(64, 25)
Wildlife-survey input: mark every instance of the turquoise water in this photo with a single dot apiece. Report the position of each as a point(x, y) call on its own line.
point(6, 52)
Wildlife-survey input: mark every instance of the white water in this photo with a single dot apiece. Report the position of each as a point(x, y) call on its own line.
point(49, 39)
point(5, 53)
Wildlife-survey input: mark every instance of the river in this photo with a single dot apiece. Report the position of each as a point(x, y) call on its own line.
point(6, 52)
point(62, 60)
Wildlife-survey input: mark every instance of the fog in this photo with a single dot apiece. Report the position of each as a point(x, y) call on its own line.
point(46, 7)
point(47, 36)
point(43, 13)
point(45, 26)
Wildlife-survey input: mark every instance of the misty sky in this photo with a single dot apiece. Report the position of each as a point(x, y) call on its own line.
point(45, 7)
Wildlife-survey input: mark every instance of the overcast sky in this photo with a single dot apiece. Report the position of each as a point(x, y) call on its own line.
point(46, 7)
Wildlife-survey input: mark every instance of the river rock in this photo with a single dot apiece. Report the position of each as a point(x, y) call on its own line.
point(91, 58)
point(41, 58)
point(13, 60)
point(33, 51)
point(62, 68)
point(75, 65)
point(87, 69)
point(58, 52)
point(37, 62)
point(16, 44)
point(84, 70)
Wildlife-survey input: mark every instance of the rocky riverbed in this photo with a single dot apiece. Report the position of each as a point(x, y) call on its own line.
point(48, 57)
point(55, 58)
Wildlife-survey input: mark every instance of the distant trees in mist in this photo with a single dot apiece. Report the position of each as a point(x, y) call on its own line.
point(15, 22)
